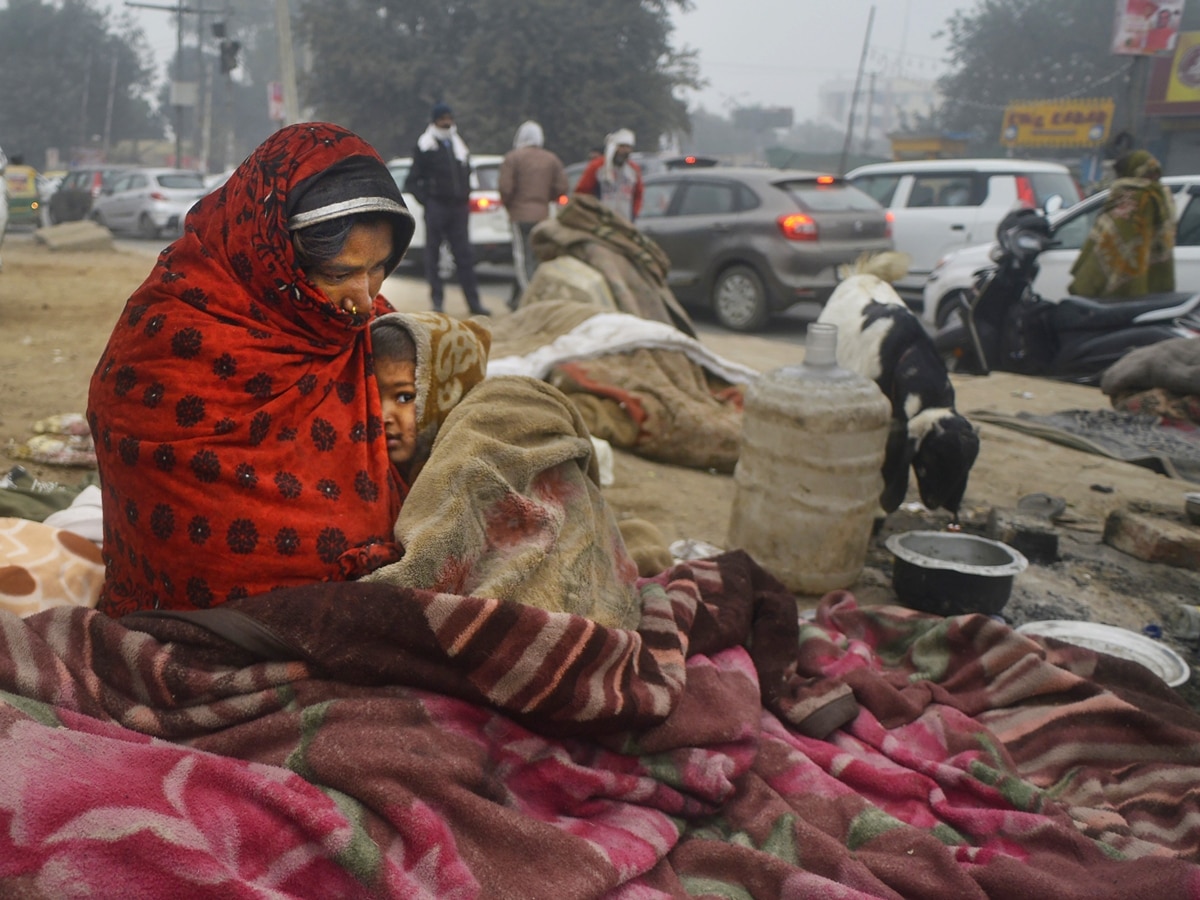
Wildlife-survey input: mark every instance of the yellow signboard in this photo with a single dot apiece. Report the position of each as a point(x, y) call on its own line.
point(1057, 123)
point(1184, 85)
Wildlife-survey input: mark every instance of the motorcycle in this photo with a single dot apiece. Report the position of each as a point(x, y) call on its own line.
point(1002, 324)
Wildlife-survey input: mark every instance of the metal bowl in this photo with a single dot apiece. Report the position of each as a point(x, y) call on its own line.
point(951, 573)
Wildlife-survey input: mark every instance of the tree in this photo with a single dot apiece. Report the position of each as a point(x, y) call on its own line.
point(581, 70)
point(57, 64)
point(1006, 50)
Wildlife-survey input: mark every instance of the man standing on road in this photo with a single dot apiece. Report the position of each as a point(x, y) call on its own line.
point(614, 177)
point(531, 178)
point(440, 179)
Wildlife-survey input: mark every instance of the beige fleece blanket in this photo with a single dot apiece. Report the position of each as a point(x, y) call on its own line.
point(509, 507)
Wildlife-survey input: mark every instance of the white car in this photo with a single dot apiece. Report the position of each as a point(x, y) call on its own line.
point(941, 205)
point(487, 223)
point(148, 201)
point(954, 275)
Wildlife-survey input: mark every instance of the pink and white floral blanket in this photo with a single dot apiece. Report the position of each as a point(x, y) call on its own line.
point(401, 743)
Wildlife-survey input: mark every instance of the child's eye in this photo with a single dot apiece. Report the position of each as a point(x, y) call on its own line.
point(406, 397)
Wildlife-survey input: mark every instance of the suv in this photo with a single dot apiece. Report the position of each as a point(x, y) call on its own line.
point(942, 205)
point(954, 275)
point(487, 223)
point(749, 242)
point(79, 187)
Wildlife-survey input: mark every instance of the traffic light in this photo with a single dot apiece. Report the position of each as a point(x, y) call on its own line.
point(229, 55)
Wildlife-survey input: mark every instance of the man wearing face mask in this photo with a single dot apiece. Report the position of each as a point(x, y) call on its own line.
point(614, 177)
point(440, 179)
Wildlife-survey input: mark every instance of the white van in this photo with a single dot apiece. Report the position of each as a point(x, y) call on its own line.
point(942, 205)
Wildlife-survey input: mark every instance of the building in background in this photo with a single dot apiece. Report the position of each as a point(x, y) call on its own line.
point(886, 104)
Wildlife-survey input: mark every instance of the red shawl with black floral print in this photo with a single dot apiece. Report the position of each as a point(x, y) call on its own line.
point(238, 433)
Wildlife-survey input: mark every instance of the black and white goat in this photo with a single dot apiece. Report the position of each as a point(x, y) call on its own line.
point(879, 337)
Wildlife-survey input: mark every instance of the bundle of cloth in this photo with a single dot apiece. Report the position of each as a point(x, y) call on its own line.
point(642, 385)
point(365, 740)
point(1161, 380)
point(633, 266)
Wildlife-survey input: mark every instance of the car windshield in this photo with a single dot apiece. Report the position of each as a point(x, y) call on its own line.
point(834, 197)
point(182, 181)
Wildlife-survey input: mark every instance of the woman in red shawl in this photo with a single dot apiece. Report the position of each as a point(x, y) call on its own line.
point(238, 431)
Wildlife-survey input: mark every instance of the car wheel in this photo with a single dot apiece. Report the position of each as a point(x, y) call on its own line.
point(98, 218)
point(952, 305)
point(146, 226)
point(739, 299)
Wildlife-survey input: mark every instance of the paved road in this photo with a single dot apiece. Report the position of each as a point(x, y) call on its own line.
point(782, 344)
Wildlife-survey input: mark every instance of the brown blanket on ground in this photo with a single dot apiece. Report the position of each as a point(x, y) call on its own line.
point(657, 402)
point(1161, 380)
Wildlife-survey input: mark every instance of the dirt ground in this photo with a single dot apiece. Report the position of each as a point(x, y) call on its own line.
point(57, 309)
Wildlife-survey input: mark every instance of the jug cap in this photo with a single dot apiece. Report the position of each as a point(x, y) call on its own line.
point(820, 345)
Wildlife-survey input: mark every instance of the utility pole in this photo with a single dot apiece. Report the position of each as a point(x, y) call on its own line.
point(177, 86)
point(108, 111)
point(854, 97)
point(283, 27)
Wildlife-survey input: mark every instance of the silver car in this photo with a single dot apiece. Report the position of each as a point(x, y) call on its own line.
point(749, 242)
point(150, 202)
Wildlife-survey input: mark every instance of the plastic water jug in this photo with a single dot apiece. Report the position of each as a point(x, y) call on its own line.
point(808, 480)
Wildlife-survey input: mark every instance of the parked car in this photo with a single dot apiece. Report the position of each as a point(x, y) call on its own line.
point(487, 222)
point(942, 205)
point(749, 242)
point(78, 189)
point(21, 184)
point(148, 201)
point(954, 275)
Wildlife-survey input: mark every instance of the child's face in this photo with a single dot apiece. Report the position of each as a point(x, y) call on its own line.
point(398, 391)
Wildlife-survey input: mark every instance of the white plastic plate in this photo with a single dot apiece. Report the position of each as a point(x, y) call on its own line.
point(1158, 658)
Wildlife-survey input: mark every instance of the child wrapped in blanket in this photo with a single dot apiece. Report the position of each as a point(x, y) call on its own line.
point(507, 504)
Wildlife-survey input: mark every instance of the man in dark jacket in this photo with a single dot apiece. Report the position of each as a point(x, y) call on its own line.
point(440, 179)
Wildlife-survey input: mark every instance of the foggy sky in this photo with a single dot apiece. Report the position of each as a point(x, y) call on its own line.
point(779, 52)
point(759, 52)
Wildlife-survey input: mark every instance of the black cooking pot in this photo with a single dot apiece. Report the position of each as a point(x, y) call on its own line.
point(951, 573)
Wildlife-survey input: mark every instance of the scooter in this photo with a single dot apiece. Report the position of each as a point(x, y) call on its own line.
point(1004, 325)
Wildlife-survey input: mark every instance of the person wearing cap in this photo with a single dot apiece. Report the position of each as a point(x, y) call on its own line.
point(615, 178)
point(531, 179)
point(239, 433)
point(440, 179)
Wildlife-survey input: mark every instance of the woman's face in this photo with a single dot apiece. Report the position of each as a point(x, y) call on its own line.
point(354, 277)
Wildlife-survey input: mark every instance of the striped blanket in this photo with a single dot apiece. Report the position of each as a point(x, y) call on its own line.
point(413, 744)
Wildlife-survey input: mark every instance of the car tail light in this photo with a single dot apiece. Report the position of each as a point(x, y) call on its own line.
point(1025, 195)
point(889, 217)
point(825, 179)
point(158, 195)
point(97, 185)
point(798, 227)
point(562, 199)
point(483, 204)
